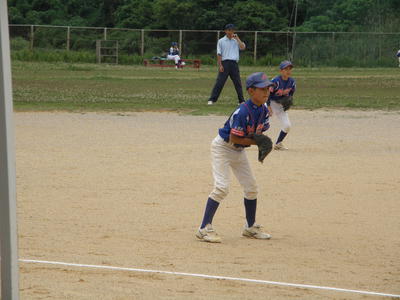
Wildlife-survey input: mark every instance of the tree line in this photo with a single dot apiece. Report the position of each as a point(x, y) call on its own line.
point(274, 15)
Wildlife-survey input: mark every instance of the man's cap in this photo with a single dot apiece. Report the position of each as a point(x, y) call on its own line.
point(285, 64)
point(258, 80)
point(229, 26)
point(174, 44)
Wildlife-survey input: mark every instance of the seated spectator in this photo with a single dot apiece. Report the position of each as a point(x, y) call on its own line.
point(173, 54)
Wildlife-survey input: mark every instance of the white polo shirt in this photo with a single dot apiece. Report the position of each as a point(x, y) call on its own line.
point(228, 49)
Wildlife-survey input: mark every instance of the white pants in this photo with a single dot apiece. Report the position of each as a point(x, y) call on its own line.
point(225, 157)
point(283, 117)
point(174, 57)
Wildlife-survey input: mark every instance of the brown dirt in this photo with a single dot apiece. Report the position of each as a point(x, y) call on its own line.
point(129, 190)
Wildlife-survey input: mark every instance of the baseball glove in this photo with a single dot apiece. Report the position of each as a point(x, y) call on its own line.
point(286, 102)
point(264, 144)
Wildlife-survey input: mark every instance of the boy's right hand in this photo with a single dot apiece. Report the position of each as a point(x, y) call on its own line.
point(221, 68)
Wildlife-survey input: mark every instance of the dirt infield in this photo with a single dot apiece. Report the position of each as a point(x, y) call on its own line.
point(129, 190)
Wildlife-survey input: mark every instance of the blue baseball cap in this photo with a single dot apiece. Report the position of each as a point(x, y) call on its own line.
point(258, 80)
point(229, 26)
point(174, 44)
point(285, 64)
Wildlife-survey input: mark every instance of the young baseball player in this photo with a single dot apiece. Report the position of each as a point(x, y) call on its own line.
point(227, 152)
point(173, 54)
point(284, 86)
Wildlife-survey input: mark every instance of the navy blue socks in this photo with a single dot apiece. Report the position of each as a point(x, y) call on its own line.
point(251, 207)
point(211, 208)
point(212, 205)
point(281, 136)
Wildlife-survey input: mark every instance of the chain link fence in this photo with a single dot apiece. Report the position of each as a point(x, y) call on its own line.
point(341, 49)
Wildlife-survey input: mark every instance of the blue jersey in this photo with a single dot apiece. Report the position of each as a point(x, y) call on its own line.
point(173, 51)
point(245, 121)
point(282, 88)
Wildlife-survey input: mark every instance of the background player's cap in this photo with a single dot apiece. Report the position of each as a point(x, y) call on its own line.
point(174, 44)
point(229, 26)
point(258, 80)
point(285, 64)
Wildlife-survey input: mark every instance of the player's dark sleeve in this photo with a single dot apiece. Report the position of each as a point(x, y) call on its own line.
point(266, 121)
point(239, 123)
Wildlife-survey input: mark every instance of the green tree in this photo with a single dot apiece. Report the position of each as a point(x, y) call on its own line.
point(135, 14)
point(255, 15)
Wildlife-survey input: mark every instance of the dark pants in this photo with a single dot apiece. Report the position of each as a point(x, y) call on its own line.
point(231, 69)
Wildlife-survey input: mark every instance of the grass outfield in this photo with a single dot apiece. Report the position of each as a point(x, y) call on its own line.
point(90, 87)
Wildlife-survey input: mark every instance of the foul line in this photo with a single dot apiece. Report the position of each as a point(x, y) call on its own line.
point(296, 285)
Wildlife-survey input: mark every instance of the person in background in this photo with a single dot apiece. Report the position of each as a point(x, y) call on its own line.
point(173, 54)
point(227, 58)
point(284, 86)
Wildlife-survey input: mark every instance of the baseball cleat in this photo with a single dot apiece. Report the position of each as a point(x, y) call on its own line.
point(208, 234)
point(255, 232)
point(210, 102)
point(280, 146)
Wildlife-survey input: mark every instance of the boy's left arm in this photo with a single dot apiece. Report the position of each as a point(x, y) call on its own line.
point(266, 121)
point(244, 141)
point(291, 93)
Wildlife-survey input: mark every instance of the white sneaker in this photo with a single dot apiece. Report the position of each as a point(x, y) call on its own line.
point(210, 102)
point(208, 234)
point(255, 232)
point(280, 146)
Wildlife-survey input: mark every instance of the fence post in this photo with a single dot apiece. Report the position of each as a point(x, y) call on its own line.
point(8, 208)
point(68, 36)
point(105, 33)
point(293, 46)
point(32, 33)
point(180, 42)
point(142, 44)
point(333, 45)
point(218, 33)
point(255, 46)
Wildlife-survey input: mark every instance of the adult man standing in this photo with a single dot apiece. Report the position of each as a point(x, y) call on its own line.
point(228, 57)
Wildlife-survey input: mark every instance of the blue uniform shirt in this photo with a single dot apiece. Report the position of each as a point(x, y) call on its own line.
point(228, 49)
point(282, 88)
point(245, 121)
point(173, 51)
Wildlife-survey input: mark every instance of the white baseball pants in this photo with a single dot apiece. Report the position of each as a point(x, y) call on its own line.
point(283, 117)
point(224, 157)
point(174, 57)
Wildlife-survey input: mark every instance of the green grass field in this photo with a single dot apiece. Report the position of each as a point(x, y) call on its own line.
point(90, 87)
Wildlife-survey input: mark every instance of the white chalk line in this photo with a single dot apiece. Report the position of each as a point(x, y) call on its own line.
point(296, 285)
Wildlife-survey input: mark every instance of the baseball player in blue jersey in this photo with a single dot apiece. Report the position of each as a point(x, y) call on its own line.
point(283, 89)
point(173, 54)
point(251, 118)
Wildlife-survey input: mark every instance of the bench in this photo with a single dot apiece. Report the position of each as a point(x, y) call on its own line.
point(163, 63)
